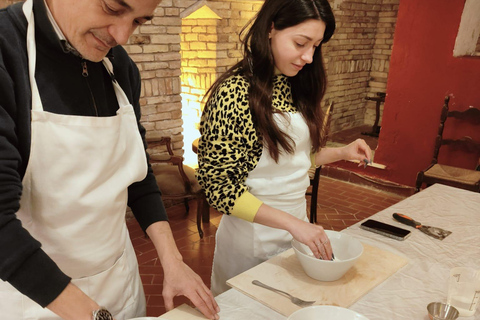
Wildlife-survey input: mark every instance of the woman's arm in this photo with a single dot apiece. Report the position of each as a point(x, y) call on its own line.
point(357, 150)
point(228, 150)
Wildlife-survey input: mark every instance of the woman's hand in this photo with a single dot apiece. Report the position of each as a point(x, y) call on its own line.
point(314, 237)
point(309, 234)
point(357, 150)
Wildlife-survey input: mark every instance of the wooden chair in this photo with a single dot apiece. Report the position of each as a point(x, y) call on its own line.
point(314, 172)
point(176, 180)
point(464, 178)
point(379, 99)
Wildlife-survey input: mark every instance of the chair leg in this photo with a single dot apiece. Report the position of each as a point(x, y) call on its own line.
point(418, 183)
point(201, 200)
point(313, 200)
point(203, 213)
point(199, 220)
point(205, 210)
point(313, 204)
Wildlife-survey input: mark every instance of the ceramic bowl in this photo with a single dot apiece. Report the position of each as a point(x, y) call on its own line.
point(326, 313)
point(346, 249)
point(441, 311)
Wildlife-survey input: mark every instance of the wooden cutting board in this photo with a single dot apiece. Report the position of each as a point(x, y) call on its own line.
point(284, 272)
point(182, 312)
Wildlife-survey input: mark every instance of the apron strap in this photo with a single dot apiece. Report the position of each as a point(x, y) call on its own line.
point(121, 96)
point(109, 66)
point(32, 54)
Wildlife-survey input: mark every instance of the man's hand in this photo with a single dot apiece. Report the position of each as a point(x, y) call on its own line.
point(179, 279)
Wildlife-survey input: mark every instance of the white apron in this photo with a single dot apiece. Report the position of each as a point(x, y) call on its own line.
point(241, 245)
point(74, 201)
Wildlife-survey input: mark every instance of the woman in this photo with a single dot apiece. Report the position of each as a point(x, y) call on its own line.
point(261, 132)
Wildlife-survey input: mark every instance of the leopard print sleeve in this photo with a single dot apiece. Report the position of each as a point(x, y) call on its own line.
point(228, 148)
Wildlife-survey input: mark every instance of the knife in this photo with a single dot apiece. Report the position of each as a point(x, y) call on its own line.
point(434, 232)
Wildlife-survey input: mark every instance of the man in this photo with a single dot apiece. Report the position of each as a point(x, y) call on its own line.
point(71, 145)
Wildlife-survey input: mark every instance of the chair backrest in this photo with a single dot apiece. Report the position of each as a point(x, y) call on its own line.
point(465, 143)
point(314, 171)
point(169, 158)
point(326, 124)
point(155, 141)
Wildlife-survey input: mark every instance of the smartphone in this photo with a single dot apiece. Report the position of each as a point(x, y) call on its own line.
point(385, 229)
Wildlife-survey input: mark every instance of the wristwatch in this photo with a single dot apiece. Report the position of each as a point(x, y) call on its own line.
point(102, 314)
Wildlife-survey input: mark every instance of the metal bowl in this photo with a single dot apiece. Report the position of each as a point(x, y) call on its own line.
point(441, 311)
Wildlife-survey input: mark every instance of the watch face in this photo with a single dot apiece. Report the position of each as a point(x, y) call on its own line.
point(102, 314)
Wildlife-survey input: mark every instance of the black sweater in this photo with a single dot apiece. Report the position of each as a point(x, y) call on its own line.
point(63, 90)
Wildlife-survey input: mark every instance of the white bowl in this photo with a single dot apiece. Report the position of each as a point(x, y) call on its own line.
point(326, 313)
point(346, 249)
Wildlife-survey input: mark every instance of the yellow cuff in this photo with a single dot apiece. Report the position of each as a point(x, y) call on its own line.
point(246, 206)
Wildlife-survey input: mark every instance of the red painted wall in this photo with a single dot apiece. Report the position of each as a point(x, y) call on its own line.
point(422, 72)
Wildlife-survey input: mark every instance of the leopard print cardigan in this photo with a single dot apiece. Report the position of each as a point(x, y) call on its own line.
point(229, 147)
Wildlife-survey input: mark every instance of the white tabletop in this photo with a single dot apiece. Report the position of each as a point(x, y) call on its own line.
point(406, 294)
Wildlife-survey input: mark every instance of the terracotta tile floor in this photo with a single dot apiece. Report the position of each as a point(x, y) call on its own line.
point(341, 204)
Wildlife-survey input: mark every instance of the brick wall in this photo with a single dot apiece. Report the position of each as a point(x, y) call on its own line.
point(357, 57)
point(382, 49)
point(155, 47)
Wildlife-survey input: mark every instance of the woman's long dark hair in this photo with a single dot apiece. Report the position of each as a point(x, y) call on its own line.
point(258, 66)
